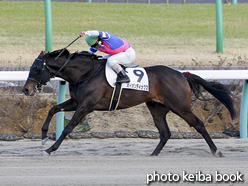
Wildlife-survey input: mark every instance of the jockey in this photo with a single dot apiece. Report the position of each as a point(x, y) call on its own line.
point(118, 50)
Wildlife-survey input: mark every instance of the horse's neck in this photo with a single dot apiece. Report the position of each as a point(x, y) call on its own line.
point(76, 70)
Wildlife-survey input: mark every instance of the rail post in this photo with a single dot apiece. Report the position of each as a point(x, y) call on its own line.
point(60, 115)
point(243, 111)
point(234, 1)
point(219, 26)
point(48, 25)
point(62, 84)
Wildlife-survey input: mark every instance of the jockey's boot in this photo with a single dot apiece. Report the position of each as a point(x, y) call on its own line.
point(122, 77)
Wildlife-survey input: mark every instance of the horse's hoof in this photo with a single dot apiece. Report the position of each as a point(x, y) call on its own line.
point(44, 141)
point(218, 154)
point(44, 153)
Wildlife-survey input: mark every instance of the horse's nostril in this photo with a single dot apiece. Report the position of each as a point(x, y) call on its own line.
point(25, 91)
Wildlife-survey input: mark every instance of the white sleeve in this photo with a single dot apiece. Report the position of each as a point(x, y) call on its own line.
point(101, 34)
point(92, 33)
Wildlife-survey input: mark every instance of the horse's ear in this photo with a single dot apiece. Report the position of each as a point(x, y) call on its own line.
point(43, 53)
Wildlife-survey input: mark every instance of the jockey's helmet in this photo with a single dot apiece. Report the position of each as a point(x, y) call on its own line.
point(91, 40)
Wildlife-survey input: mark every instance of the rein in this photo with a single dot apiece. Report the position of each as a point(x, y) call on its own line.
point(39, 81)
point(67, 63)
point(62, 66)
point(42, 75)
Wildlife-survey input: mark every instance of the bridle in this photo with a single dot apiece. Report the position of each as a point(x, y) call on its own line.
point(40, 72)
point(44, 75)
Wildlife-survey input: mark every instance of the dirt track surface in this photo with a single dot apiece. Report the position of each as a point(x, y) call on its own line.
point(118, 161)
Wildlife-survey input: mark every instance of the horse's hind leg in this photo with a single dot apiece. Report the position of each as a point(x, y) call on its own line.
point(159, 112)
point(195, 122)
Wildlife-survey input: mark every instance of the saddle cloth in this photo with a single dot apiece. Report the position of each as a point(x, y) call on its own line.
point(138, 78)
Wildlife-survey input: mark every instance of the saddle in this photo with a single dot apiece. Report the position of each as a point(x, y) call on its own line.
point(138, 81)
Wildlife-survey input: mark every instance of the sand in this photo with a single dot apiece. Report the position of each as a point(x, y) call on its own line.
point(116, 161)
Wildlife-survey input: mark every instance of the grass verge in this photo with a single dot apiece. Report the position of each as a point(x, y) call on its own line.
point(145, 26)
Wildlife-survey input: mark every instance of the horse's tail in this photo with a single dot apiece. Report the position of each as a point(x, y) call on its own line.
point(218, 90)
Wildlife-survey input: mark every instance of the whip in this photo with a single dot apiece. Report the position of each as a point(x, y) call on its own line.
point(67, 47)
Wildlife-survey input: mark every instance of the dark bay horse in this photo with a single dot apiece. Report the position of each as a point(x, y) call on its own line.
point(170, 90)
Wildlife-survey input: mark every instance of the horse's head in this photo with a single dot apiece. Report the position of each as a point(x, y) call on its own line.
point(38, 75)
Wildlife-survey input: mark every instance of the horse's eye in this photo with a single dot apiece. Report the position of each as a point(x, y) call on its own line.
point(36, 70)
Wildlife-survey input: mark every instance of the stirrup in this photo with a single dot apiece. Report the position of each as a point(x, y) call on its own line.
point(122, 80)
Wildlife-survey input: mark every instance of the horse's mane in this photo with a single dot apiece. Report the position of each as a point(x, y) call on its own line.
point(81, 54)
point(55, 53)
point(85, 54)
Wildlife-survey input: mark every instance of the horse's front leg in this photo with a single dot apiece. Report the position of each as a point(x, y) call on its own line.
point(77, 117)
point(68, 105)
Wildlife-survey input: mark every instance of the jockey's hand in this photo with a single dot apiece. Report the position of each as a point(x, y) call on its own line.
point(82, 34)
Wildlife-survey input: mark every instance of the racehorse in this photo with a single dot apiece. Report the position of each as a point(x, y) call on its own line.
point(170, 90)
